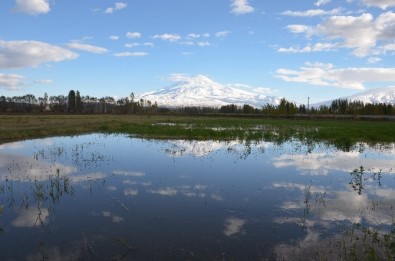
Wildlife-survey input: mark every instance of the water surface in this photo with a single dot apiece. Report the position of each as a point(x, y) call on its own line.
point(106, 197)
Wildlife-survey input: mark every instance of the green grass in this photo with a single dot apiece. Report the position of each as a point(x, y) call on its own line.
point(342, 133)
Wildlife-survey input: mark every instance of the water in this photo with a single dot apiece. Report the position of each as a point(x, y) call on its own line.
point(114, 197)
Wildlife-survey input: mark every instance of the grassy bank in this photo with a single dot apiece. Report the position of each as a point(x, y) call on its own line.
point(338, 132)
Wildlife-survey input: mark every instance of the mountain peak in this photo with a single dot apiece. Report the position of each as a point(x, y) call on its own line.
point(197, 81)
point(201, 91)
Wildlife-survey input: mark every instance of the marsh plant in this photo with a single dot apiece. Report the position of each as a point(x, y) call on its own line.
point(359, 178)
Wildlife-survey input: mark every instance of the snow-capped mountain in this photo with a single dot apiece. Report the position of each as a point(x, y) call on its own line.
point(201, 91)
point(377, 95)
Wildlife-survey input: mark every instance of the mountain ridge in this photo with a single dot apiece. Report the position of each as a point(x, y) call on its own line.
point(377, 95)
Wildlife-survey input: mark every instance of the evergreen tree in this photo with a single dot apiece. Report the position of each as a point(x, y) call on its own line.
point(71, 102)
point(78, 103)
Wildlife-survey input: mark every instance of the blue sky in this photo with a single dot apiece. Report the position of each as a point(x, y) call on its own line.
point(321, 49)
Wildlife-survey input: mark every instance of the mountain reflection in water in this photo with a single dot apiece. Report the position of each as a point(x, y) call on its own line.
point(115, 197)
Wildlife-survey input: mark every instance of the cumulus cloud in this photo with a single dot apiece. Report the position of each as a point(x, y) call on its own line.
point(130, 54)
point(240, 7)
point(118, 6)
point(298, 28)
point(310, 13)
point(357, 33)
point(361, 33)
point(87, 47)
point(11, 82)
point(32, 7)
point(383, 4)
point(167, 37)
point(19, 54)
point(327, 75)
point(133, 35)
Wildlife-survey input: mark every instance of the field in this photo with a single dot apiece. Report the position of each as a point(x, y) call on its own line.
point(342, 133)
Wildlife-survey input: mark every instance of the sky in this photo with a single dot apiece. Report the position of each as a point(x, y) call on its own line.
point(322, 49)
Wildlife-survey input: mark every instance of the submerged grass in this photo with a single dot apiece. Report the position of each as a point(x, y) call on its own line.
point(342, 133)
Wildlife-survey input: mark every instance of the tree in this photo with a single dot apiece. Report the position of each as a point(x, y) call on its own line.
point(71, 102)
point(78, 103)
point(132, 101)
point(248, 109)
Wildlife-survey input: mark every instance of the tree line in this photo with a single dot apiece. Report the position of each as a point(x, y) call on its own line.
point(75, 103)
point(337, 107)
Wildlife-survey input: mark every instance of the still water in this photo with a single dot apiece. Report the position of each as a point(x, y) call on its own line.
point(114, 197)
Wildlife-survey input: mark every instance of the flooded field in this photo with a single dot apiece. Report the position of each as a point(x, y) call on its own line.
point(114, 197)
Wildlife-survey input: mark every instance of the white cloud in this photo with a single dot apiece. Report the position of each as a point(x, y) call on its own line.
point(131, 45)
point(87, 47)
point(18, 54)
point(128, 173)
point(130, 192)
point(357, 33)
point(372, 60)
point(240, 7)
point(349, 78)
point(32, 7)
point(298, 28)
point(233, 226)
point(193, 35)
point(314, 12)
point(113, 37)
point(385, 26)
point(31, 217)
point(318, 47)
point(322, 2)
point(167, 37)
point(203, 44)
point(383, 4)
point(11, 81)
point(45, 81)
point(117, 6)
point(164, 191)
point(388, 48)
point(130, 54)
point(187, 43)
point(114, 218)
point(222, 34)
point(87, 177)
point(360, 33)
point(133, 35)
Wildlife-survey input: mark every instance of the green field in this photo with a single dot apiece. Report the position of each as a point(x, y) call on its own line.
point(341, 133)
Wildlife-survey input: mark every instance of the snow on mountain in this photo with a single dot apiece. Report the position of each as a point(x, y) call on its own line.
point(201, 91)
point(377, 95)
